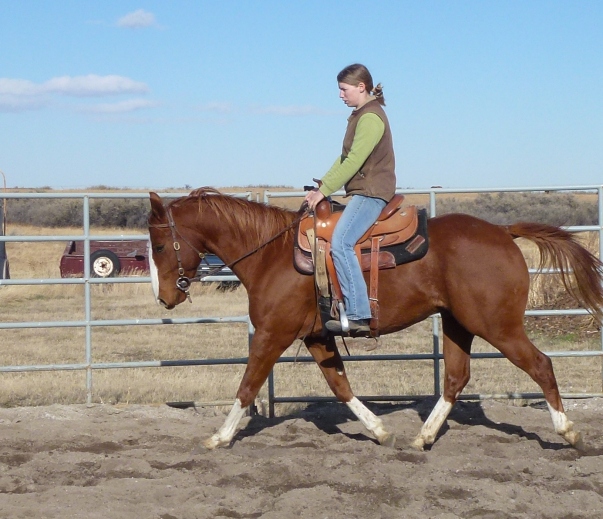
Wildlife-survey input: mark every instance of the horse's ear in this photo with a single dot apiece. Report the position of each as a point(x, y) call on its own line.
point(157, 208)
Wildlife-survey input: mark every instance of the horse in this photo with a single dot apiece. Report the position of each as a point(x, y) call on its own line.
point(474, 275)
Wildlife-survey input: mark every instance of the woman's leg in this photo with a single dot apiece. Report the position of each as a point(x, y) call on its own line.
point(360, 213)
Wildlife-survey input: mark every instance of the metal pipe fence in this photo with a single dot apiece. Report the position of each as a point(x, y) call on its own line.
point(89, 366)
point(437, 356)
point(87, 281)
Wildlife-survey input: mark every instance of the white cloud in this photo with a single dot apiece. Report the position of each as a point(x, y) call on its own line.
point(79, 86)
point(19, 95)
point(137, 19)
point(93, 85)
point(15, 103)
point(18, 87)
point(121, 107)
point(223, 108)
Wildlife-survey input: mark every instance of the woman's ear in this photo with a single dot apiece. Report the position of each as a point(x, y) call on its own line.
point(362, 87)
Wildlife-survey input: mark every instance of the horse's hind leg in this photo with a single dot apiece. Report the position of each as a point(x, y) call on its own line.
point(530, 359)
point(457, 349)
point(326, 355)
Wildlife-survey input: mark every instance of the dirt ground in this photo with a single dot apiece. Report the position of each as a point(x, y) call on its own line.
point(491, 460)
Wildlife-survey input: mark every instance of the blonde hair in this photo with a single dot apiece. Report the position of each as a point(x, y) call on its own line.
point(356, 74)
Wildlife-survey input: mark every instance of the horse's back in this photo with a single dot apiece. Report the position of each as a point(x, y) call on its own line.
point(468, 249)
point(472, 268)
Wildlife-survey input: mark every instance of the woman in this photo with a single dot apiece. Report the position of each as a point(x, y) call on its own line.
point(366, 168)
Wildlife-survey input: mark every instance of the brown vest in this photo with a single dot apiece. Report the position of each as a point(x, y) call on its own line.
point(376, 178)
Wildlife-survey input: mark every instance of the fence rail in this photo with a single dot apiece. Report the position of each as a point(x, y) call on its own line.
point(88, 323)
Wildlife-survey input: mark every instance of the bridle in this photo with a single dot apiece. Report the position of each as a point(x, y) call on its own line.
point(183, 283)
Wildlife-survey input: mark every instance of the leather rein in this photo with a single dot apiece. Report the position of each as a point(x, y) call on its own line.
point(183, 282)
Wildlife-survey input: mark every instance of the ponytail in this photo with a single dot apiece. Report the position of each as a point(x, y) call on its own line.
point(378, 93)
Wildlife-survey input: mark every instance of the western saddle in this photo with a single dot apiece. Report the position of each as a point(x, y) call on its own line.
point(395, 225)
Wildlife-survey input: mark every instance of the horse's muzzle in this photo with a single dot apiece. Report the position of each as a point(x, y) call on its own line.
point(164, 304)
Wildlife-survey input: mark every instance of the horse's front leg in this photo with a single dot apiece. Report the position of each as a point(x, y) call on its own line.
point(226, 433)
point(329, 361)
point(263, 354)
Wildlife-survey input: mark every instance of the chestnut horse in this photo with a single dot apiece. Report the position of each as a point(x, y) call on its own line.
point(474, 276)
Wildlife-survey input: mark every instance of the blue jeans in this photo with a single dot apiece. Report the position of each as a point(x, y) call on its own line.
point(360, 213)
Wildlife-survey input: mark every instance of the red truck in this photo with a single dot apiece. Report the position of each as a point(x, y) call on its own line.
point(107, 258)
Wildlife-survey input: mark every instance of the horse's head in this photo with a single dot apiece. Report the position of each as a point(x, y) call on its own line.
point(173, 258)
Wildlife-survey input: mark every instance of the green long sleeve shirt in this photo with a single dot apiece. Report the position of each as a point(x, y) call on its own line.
point(369, 131)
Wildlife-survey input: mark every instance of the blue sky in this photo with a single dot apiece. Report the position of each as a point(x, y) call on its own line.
point(154, 94)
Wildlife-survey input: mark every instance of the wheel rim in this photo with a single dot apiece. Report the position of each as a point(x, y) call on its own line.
point(102, 267)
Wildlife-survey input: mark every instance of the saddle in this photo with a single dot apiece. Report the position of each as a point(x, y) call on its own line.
point(398, 236)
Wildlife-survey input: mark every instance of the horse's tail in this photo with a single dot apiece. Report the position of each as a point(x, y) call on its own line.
point(560, 250)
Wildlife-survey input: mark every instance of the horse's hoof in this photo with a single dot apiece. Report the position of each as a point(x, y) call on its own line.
point(574, 438)
point(418, 444)
point(211, 443)
point(389, 440)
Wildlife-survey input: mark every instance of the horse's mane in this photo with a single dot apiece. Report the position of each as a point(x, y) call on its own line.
point(248, 218)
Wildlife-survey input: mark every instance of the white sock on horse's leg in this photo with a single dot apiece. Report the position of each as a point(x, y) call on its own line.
point(226, 433)
point(565, 428)
point(432, 425)
point(371, 422)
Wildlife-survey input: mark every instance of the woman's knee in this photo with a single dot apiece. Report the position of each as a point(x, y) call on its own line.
point(342, 239)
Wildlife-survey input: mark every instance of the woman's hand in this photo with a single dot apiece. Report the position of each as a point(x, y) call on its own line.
point(313, 198)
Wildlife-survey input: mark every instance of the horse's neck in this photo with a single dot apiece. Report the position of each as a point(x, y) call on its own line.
point(246, 242)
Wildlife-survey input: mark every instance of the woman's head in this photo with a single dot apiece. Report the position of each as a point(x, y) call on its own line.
point(356, 74)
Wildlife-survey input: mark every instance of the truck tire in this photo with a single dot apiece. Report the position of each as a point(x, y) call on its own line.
point(104, 264)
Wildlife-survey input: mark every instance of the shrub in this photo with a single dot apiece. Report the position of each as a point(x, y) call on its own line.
point(505, 208)
point(62, 212)
point(499, 208)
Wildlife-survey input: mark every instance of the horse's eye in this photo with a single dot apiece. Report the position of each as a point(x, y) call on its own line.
point(159, 248)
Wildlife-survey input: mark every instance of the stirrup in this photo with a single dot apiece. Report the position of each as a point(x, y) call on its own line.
point(343, 318)
point(357, 330)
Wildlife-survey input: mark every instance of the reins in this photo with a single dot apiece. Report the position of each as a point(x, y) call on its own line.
point(183, 282)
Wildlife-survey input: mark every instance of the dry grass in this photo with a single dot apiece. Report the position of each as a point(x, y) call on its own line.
point(41, 346)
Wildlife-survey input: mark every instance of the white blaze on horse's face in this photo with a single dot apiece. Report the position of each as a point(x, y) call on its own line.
point(154, 274)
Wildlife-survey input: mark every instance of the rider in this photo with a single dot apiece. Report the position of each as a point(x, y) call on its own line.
point(367, 169)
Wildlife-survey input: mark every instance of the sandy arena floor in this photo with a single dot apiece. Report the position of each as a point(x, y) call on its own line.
point(492, 460)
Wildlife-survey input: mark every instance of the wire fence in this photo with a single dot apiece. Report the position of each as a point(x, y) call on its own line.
point(88, 323)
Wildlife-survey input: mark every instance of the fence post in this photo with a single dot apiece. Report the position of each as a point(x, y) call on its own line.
point(4, 270)
point(600, 207)
point(87, 298)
